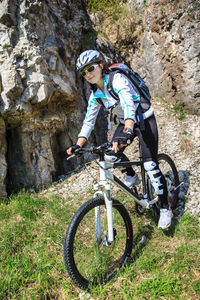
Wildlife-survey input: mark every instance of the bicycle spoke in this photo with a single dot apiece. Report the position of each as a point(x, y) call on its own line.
point(93, 257)
point(92, 260)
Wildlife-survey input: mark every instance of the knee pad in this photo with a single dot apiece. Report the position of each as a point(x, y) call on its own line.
point(155, 176)
point(149, 165)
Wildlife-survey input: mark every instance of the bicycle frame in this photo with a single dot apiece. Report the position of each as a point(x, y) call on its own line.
point(105, 174)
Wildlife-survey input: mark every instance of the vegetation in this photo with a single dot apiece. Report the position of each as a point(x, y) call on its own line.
point(88, 38)
point(32, 233)
point(179, 109)
point(119, 24)
point(106, 7)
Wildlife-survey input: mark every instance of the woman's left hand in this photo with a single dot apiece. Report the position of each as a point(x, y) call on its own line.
point(115, 146)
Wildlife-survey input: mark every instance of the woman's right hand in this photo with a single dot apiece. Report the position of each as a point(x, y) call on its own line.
point(71, 150)
point(80, 142)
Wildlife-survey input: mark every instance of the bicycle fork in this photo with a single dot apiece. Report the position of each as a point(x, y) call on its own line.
point(108, 202)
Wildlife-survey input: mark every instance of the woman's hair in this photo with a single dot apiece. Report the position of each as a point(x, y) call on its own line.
point(106, 69)
point(104, 63)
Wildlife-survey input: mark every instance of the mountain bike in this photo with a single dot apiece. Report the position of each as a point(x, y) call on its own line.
point(99, 238)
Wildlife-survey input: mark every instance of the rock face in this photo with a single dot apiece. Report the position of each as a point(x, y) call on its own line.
point(41, 100)
point(161, 41)
point(170, 50)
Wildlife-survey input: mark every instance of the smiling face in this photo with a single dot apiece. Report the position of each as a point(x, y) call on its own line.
point(93, 73)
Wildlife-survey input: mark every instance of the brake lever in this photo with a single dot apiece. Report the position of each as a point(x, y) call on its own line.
point(105, 146)
point(70, 156)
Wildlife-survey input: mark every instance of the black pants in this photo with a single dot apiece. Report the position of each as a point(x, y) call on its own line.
point(149, 149)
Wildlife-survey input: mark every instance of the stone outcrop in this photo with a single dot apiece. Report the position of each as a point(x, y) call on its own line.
point(41, 98)
point(161, 41)
point(170, 50)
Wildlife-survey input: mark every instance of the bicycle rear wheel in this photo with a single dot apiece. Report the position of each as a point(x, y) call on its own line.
point(90, 260)
point(170, 173)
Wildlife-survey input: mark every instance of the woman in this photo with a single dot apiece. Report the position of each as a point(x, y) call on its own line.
point(91, 65)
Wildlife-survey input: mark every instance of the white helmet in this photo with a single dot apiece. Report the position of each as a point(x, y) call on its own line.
point(86, 58)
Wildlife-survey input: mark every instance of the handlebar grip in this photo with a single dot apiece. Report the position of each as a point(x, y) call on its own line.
point(70, 156)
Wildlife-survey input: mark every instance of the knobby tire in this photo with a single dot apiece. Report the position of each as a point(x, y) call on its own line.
point(86, 271)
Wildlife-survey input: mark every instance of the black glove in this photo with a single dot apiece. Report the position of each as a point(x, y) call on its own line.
point(75, 147)
point(126, 137)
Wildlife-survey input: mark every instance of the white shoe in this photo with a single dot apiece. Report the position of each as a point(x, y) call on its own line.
point(165, 218)
point(130, 181)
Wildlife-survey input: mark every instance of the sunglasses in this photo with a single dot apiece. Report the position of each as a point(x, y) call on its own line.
point(89, 70)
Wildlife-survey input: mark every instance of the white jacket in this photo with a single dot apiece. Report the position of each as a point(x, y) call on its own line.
point(128, 94)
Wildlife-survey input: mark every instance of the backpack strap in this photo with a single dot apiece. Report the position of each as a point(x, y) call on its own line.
point(100, 101)
point(135, 80)
point(110, 86)
point(111, 91)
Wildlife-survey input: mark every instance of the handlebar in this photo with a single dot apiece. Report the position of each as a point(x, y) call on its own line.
point(99, 150)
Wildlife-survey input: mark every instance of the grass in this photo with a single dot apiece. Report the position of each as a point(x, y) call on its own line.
point(32, 234)
point(115, 20)
point(109, 8)
point(179, 110)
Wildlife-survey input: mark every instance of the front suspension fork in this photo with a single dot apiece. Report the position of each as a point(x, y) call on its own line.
point(108, 203)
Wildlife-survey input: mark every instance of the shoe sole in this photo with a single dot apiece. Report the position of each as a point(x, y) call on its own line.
point(164, 227)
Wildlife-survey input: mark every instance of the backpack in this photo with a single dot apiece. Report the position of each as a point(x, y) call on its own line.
point(138, 82)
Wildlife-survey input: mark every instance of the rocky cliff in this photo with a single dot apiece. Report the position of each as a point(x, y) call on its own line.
point(42, 99)
point(171, 50)
point(161, 40)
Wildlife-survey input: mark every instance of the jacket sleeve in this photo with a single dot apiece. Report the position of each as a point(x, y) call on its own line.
point(128, 95)
point(90, 118)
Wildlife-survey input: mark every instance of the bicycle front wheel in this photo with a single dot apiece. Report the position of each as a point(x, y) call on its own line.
point(89, 258)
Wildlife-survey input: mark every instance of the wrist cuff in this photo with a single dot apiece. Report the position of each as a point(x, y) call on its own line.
point(128, 130)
